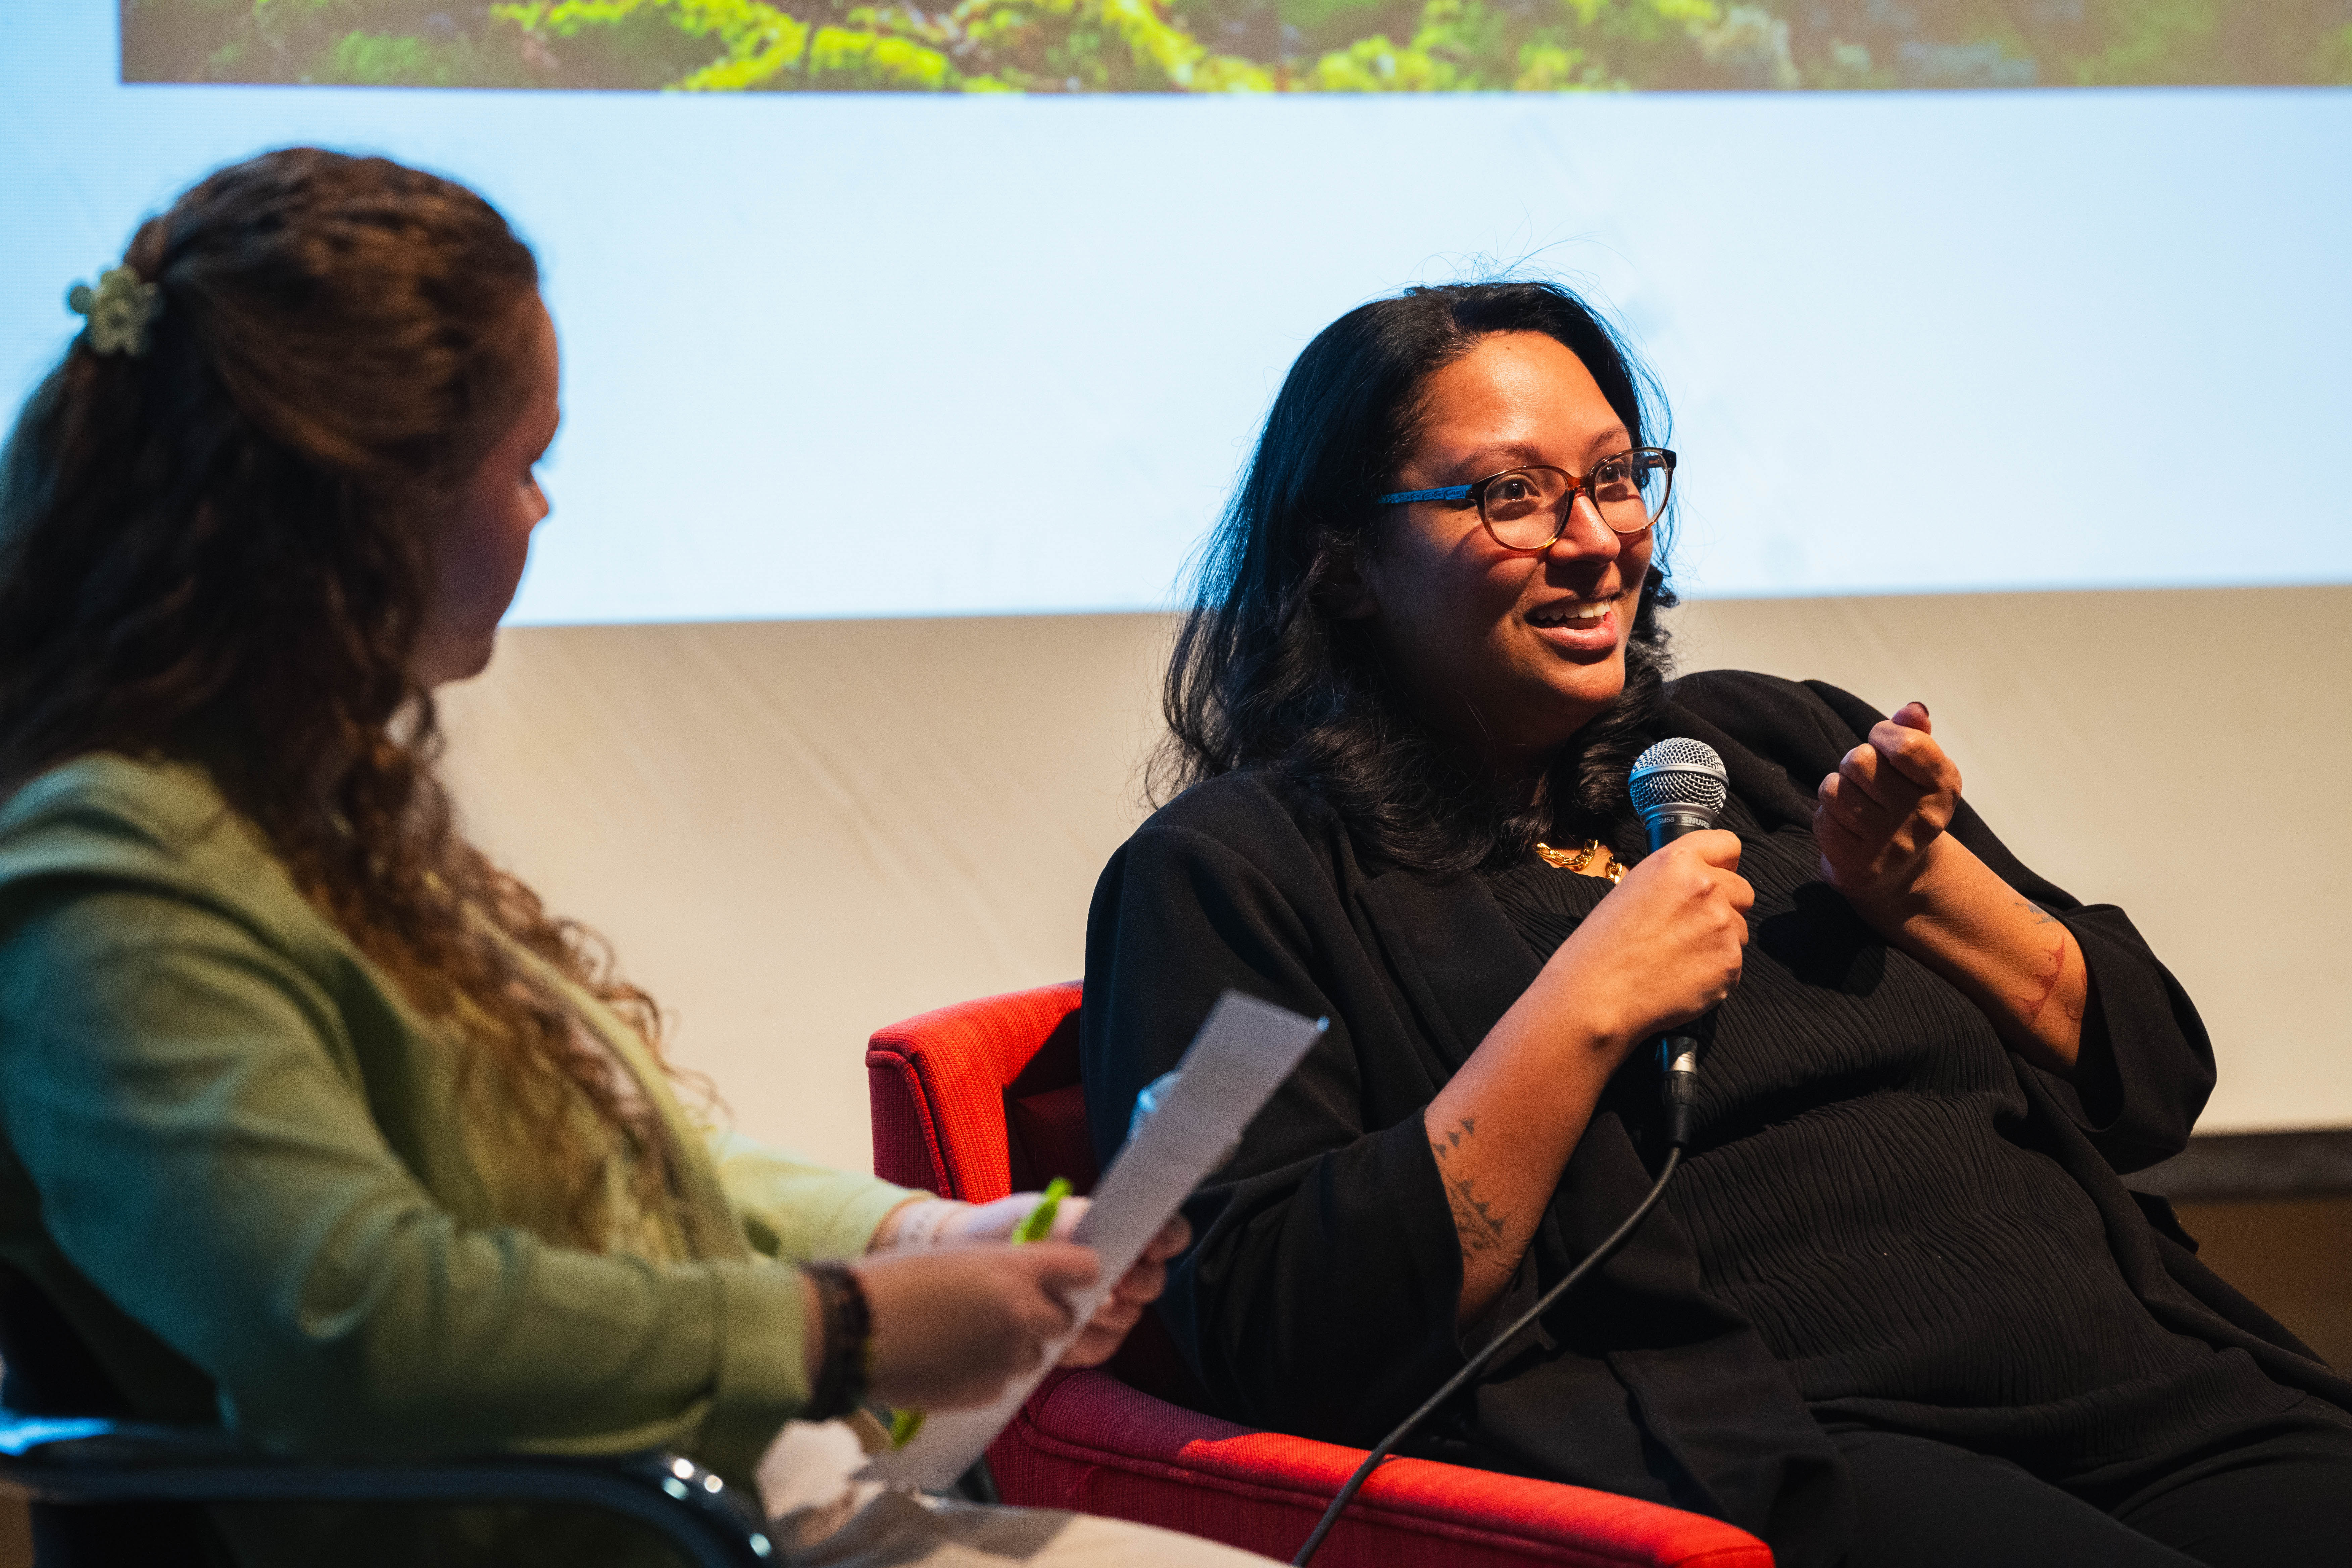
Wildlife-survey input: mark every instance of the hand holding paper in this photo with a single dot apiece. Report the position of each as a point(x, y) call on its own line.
point(949, 1327)
point(1245, 1049)
point(1136, 1289)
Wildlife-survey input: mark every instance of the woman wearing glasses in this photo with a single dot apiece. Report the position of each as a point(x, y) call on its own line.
point(1896, 1305)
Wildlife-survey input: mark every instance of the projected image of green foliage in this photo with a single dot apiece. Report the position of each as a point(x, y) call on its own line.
point(1239, 46)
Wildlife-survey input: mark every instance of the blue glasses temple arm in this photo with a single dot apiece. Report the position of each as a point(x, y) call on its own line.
point(1451, 492)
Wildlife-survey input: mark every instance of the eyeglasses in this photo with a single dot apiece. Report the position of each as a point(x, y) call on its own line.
point(1528, 508)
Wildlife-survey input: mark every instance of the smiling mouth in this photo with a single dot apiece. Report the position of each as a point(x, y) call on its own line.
point(1571, 613)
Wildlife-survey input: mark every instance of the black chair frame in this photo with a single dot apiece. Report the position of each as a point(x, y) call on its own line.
point(77, 1462)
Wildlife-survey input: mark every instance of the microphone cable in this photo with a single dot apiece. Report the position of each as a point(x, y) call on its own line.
point(1477, 1363)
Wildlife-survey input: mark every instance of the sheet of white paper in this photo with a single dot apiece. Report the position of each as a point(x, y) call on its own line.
point(1245, 1047)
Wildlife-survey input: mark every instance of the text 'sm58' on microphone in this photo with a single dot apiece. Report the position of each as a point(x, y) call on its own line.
point(1679, 786)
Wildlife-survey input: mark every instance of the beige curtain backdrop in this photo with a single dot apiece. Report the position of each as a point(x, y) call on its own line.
point(794, 832)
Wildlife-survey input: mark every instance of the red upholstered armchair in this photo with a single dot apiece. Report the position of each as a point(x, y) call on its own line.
point(981, 1100)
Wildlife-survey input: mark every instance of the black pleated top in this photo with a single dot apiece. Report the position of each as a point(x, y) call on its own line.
point(1865, 1190)
point(1887, 1219)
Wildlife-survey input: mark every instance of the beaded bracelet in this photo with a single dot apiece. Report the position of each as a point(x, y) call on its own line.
point(848, 1323)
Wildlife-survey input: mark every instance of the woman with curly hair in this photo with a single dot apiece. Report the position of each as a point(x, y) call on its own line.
point(1896, 1305)
point(315, 1122)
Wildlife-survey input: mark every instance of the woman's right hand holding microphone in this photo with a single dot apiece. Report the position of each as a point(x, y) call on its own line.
point(1665, 946)
point(1662, 947)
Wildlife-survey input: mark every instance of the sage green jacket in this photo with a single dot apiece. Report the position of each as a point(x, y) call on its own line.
point(228, 1153)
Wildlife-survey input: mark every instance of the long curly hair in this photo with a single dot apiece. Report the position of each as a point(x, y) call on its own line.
point(218, 552)
point(1263, 672)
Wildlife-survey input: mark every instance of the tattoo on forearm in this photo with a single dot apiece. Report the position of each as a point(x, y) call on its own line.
point(2041, 916)
point(2030, 1004)
point(1480, 1228)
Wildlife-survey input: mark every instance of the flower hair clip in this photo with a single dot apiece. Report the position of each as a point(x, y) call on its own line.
point(120, 309)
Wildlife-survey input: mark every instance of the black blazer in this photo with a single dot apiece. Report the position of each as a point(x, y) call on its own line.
point(1319, 1297)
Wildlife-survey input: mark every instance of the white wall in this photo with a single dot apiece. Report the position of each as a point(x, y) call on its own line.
point(794, 832)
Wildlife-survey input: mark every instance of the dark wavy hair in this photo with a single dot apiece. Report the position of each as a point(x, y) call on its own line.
point(1263, 673)
point(218, 552)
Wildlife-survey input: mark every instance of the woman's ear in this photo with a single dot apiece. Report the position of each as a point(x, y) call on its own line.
point(1347, 589)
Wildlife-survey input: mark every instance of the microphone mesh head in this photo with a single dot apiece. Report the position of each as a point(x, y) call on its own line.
point(1679, 775)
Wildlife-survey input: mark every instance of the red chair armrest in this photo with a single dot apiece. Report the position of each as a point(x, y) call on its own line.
point(936, 1086)
point(1097, 1441)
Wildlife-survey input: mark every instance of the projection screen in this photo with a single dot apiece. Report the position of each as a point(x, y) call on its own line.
point(884, 311)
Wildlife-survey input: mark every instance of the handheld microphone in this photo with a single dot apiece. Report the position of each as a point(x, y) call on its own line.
point(1678, 786)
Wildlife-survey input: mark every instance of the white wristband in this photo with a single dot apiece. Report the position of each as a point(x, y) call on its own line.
point(919, 1224)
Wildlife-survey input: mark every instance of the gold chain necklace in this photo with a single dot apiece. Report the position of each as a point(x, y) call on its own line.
point(1582, 859)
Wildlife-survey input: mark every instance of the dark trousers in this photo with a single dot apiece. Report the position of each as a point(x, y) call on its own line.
point(2277, 1498)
